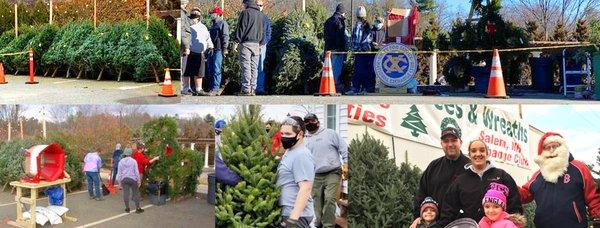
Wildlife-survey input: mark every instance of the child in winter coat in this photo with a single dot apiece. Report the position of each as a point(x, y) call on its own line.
point(429, 209)
point(494, 206)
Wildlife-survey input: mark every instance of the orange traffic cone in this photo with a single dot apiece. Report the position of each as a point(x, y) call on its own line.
point(496, 84)
point(2, 76)
point(31, 69)
point(166, 89)
point(327, 87)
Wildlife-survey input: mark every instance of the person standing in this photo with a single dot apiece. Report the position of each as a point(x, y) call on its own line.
point(219, 34)
point(140, 158)
point(335, 35)
point(363, 79)
point(200, 47)
point(91, 166)
point(330, 148)
point(186, 36)
point(441, 172)
point(249, 34)
point(114, 162)
point(295, 176)
point(260, 82)
point(130, 179)
point(378, 33)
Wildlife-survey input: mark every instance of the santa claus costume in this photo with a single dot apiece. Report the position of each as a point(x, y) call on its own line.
point(563, 188)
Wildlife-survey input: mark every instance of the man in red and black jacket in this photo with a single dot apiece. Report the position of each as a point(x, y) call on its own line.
point(563, 188)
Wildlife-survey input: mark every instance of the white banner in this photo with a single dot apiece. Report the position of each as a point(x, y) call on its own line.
point(505, 133)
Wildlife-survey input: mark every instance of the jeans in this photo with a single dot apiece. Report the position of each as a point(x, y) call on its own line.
point(364, 74)
point(93, 180)
point(337, 65)
point(260, 82)
point(215, 70)
point(115, 170)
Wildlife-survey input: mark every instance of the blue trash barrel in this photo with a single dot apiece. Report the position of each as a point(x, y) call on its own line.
point(541, 74)
point(212, 189)
point(482, 78)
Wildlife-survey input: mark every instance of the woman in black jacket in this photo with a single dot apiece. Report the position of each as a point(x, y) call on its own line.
point(467, 191)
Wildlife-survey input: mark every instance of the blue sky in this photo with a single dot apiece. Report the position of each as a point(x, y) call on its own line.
point(579, 124)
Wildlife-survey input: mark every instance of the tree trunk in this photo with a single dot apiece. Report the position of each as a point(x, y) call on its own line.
point(155, 74)
point(68, 72)
point(79, 74)
point(100, 74)
point(46, 73)
point(55, 70)
point(119, 76)
point(16, 72)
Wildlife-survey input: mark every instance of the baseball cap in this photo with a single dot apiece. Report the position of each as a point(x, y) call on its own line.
point(450, 131)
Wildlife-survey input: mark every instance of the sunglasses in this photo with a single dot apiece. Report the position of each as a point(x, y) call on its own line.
point(291, 122)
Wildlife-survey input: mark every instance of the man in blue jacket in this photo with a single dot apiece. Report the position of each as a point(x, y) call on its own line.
point(563, 189)
point(219, 34)
point(260, 83)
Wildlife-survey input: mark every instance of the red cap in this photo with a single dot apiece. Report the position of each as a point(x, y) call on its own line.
point(541, 143)
point(217, 10)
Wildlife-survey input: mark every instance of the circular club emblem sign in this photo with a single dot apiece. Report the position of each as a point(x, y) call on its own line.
point(393, 67)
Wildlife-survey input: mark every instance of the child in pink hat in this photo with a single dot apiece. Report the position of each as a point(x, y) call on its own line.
point(494, 206)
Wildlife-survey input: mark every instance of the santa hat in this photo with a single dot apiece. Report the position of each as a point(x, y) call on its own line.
point(494, 196)
point(550, 137)
point(429, 203)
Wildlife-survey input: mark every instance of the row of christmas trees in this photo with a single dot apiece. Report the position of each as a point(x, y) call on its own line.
point(112, 50)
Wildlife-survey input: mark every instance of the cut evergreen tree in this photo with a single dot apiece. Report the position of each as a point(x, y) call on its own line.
point(253, 202)
point(381, 194)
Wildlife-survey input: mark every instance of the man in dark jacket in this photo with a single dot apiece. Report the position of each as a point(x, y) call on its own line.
point(441, 172)
point(249, 34)
point(335, 35)
point(219, 34)
point(378, 33)
point(186, 37)
point(260, 84)
point(563, 189)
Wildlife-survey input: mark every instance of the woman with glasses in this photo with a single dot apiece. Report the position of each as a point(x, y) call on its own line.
point(295, 175)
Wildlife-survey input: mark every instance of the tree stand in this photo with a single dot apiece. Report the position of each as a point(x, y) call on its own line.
point(31, 201)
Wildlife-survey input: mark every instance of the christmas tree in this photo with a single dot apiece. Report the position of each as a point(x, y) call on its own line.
point(253, 202)
point(581, 31)
point(381, 195)
point(414, 122)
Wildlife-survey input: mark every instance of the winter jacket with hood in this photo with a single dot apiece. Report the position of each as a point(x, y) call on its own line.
point(467, 191)
point(128, 168)
point(334, 33)
point(92, 162)
point(436, 179)
point(433, 224)
point(504, 221)
point(563, 204)
point(362, 36)
point(250, 25)
point(328, 146)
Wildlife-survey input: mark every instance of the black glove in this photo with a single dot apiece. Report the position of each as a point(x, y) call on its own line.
point(595, 222)
point(208, 53)
point(289, 223)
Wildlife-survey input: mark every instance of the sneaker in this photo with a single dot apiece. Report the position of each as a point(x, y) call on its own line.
point(139, 210)
point(127, 210)
point(243, 94)
point(99, 199)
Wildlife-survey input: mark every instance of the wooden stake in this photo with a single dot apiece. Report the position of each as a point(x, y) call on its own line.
point(95, 18)
point(51, 12)
point(16, 21)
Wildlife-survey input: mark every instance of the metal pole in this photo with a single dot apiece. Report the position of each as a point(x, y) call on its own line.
point(16, 21)
point(51, 12)
point(147, 14)
point(95, 17)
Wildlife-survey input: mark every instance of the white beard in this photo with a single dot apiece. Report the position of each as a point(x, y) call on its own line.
point(553, 168)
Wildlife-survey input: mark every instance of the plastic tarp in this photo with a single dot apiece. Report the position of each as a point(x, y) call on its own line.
point(55, 195)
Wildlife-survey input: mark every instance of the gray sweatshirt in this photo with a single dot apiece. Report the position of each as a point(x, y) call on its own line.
point(200, 41)
point(326, 146)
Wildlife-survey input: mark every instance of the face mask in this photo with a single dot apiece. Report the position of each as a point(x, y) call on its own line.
point(218, 132)
point(213, 16)
point(288, 142)
point(267, 130)
point(378, 26)
point(311, 126)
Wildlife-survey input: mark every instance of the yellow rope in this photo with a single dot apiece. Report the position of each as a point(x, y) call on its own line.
point(14, 53)
point(464, 51)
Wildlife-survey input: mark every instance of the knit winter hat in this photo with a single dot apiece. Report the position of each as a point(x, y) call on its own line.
point(495, 196)
point(361, 12)
point(548, 138)
point(127, 151)
point(429, 203)
point(340, 8)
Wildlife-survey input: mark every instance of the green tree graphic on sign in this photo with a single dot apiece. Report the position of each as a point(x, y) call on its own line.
point(414, 122)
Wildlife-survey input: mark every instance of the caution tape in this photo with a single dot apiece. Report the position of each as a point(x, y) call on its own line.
point(464, 51)
point(14, 53)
